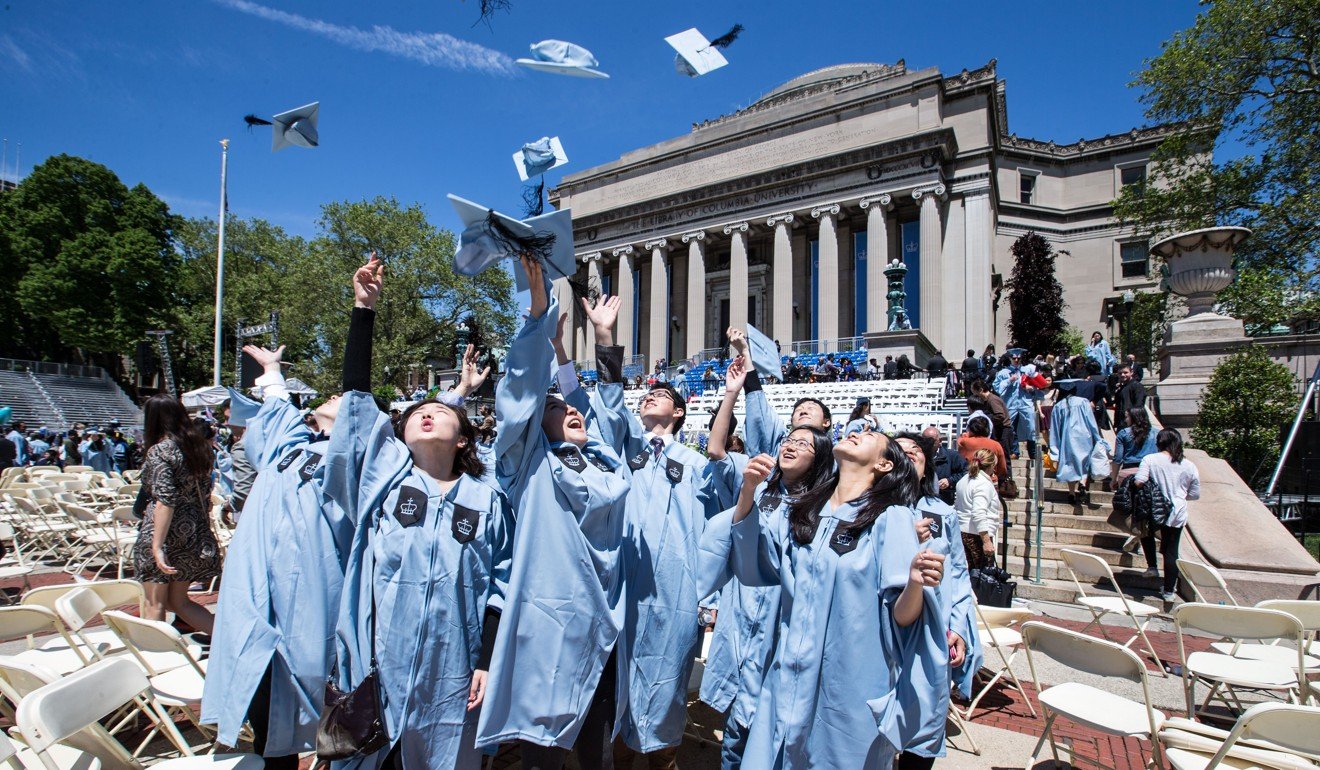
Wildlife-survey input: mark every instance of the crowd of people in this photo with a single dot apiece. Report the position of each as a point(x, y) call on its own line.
point(540, 575)
point(101, 449)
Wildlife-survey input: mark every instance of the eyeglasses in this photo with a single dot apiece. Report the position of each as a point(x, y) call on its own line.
point(657, 394)
point(799, 443)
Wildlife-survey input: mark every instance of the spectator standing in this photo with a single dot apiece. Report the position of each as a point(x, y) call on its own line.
point(891, 368)
point(989, 363)
point(1098, 351)
point(848, 373)
point(97, 452)
point(937, 365)
point(1138, 371)
point(1132, 444)
point(971, 368)
point(69, 448)
point(18, 437)
point(1179, 480)
point(37, 445)
point(8, 454)
point(905, 367)
point(119, 448)
point(979, 509)
point(873, 371)
point(1131, 395)
point(950, 467)
point(976, 438)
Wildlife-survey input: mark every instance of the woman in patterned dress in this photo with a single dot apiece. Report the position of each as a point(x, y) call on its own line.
point(175, 544)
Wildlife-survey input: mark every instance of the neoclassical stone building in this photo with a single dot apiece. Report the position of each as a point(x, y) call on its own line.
point(785, 214)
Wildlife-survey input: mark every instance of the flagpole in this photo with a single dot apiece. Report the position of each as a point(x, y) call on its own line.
point(220, 261)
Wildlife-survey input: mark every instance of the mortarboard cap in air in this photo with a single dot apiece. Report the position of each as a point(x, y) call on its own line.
point(765, 357)
point(241, 409)
point(538, 157)
point(296, 127)
point(489, 236)
point(1019, 352)
point(697, 55)
point(563, 58)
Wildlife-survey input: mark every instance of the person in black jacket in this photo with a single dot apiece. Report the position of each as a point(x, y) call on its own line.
point(1131, 395)
point(950, 466)
point(937, 365)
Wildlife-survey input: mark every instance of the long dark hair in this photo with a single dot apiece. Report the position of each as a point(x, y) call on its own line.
point(898, 487)
point(927, 446)
point(822, 462)
point(862, 409)
point(466, 460)
point(1170, 441)
point(165, 418)
point(1139, 424)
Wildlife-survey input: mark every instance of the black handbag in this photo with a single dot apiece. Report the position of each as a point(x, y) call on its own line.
point(352, 723)
point(993, 586)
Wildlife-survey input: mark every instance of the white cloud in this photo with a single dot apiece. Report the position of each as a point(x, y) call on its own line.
point(434, 49)
point(10, 51)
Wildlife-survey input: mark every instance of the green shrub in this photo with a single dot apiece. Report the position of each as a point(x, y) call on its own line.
point(1248, 400)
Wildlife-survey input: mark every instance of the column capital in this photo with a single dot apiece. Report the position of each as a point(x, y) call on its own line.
point(658, 243)
point(780, 219)
point(736, 227)
point(830, 208)
point(622, 251)
point(697, 235)
point(937, 190)
point(884, 201)
point(591, 256)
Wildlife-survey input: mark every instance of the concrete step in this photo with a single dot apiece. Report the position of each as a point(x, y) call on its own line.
point(1093, 520)
point(1050, 551)
point(1024, 505)
point(1056, 584)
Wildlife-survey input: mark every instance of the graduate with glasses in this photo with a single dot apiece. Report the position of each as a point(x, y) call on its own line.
point(428, 567)
point(744, 636)
point(861, 637)
point(672, 493)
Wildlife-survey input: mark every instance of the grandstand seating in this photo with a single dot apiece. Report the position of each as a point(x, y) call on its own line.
point(57, 400)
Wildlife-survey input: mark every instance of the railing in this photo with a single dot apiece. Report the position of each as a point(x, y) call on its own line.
point(840, 345)
point(46, 367)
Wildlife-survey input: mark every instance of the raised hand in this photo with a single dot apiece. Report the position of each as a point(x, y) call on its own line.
point(735, 375)
point(557, 342)
point(469, 379)
point(927, 569)
point(536, 281)
point(269, 359)
point(367, 283)
point(738, 341)
point(603, 317)
point(758, 469)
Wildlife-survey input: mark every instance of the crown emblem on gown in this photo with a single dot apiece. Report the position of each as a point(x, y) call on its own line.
point(409, 507)
point(464, 527)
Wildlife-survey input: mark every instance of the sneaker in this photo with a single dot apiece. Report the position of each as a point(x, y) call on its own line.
point(1169, 598)
point(1151, 573)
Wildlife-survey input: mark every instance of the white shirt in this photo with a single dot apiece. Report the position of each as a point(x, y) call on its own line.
point(977, 504)
point(1179, 482)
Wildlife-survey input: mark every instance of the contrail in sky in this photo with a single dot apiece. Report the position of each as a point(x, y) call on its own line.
point(434, 49)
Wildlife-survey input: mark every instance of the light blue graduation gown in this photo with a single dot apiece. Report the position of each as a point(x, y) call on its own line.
point(102, 460)
point(744, 637)
point(1101, 353)
point(224, 473)
point(1073, 436)
point(559, 623)
point(955, 596)
point(1021, 403)
point(427, 564)
point(848, 687)
point(764, 431)
point(670, 499)
point(279, 600)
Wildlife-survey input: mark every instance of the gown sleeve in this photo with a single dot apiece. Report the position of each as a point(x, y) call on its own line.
point(755, 556)
point(764, 431)
point(957, 585)
point(520, 395)
point(277, 426)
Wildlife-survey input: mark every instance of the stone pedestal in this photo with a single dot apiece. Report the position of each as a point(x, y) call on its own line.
point(1192, 348)
point(896, 343)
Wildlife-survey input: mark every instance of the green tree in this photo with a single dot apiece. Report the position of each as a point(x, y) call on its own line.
point(92, 266)
point(1248, 400)
point(1249, 71)
point(1145, 327)
point(1035, 297)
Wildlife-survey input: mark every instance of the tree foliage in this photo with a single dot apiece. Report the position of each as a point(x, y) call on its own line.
point(91, 266)
point(1248, 71)
point(1248, 400)
point(1035, 297)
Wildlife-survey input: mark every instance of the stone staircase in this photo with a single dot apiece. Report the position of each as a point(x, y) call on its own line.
point(1078, 527)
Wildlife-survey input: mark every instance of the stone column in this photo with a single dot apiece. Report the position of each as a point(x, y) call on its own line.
point(827, 272)
point(737, 273)
point(877, 258)
point(624, 329)
point(979, 326)
point(594, 285)
point(781, 328)
point(696, 291)
point(932, 269)
point(656, 346)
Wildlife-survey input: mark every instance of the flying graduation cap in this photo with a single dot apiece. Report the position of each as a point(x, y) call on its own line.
point(536, 158)
point(297, 127)
point(489, 236)
point(563, 58)
point(699, 56)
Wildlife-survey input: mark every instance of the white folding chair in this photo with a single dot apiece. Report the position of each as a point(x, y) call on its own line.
point(16, 756)
point(1089, 706)
point(16, 566)
point(994, 629)
point(1095, 568)
point(1203, 578)
point(27, 622)
point(1267, 735)
point(1307, 611)
point(1229, 673)
point(74, 706)
point(176, 675)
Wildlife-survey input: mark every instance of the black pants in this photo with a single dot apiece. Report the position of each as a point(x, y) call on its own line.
point(1169, 539)
point(909, 761)
point(259, 717)
point(594, 746)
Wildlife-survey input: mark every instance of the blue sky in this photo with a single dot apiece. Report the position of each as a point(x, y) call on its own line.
point(418, 100)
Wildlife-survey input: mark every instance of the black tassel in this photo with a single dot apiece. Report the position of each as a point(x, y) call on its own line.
point(489, 7)
point(538, 247)
point(253, 120)
point(726, 40)
point(534, 199)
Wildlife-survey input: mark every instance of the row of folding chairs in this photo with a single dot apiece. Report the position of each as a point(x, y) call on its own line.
point(167, 671)
point(74, 532)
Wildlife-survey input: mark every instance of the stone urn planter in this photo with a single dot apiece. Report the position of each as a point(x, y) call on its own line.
point(1200, 264)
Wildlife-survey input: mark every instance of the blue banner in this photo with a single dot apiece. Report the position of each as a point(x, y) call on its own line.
point(911, 235)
